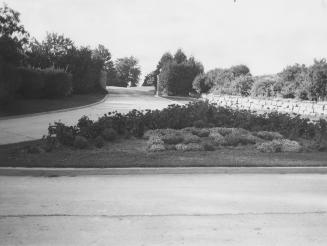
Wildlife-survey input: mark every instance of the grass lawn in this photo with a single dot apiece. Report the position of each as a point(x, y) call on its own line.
point(132, 153)
point(29, 106)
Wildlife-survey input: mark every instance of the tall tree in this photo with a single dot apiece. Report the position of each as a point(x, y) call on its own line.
point(128, 71)
point(13, 36)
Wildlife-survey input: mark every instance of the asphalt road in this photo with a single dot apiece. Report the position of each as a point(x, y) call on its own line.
point(19, 129)
point(166, 209)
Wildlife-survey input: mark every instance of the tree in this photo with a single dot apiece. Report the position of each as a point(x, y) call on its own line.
point(318, 76)
point(13, 36)
point(176, 78)
point(128, 71)
point(239, 70)
point(150, 79)
point(180, 57)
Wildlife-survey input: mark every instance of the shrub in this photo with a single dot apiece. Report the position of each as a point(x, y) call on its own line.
point(99, 142)
point(189, 147)
point(270, 147)
point(201, 132)
point(176, 78)
point(280, 145)
point(49, 143)
point(109, 134)
point(80, 142)
point(172, 139)
point(32, 83)
point(64, 134)
point(157, 148)
point(46, 83)
point(268, 135)
point(290, 146)
point(155, 140)
point(57, 83)
point(264, 86)
point(199, 124)
point(217, 138)
point(179, 117)
point(190, 138)
point(235, 139)
point(207, 146)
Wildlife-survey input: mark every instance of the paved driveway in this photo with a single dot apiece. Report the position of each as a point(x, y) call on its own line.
point(170, 209)
point(120, 99)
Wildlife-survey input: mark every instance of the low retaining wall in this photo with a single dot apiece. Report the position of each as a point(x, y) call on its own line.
point(310, 109)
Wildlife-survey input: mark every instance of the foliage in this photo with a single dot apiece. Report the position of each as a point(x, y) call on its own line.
point(264, 86)
point(13, 36)
point(80, 142)
point(318, 77)
point(176, 76)
point(222, 81)
point(99, 142)
point(179, 117)
point(128, 71)
point(242, 85)
point(46, 83)
point(109, 134)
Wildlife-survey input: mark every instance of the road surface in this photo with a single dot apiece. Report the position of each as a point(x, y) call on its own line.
point(27, 128)
point(170, 209)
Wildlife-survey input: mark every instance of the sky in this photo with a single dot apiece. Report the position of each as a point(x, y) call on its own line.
point(265, 35)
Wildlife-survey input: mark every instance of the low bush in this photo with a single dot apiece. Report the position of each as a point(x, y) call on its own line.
point(80, 142)
point(207, 146)
point(201, 132)
point(268, 135)
point(217, 138)
point(179, 117)
point(172, 139)
point(109, 134)
point(199, 124)
point(99, 142)
point(280, 145)
point(189, 147)
point(154, 140)
point(157, 148)
point(235, 139)
point(190, 138)
point(46, 83)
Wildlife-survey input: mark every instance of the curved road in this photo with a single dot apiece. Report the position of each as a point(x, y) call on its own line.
point(25, 128)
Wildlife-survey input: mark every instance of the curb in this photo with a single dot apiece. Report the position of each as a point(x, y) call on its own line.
point(54, 111)
point(56, 172)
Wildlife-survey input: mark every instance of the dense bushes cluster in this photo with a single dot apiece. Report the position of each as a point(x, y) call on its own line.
point(236, 80)
point(297, 81)
point(178, 117)
point(176, 74)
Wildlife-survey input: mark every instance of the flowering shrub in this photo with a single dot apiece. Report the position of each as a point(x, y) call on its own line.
point(239, 123)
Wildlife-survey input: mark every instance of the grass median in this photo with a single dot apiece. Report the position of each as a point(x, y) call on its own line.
point(132, 153)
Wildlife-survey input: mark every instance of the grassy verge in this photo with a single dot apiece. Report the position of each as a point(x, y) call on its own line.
point(132, 153)
point(29, 106)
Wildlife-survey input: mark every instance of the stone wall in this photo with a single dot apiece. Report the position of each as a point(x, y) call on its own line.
point(310, 109)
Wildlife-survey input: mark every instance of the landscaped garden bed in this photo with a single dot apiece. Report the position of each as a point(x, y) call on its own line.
point(197, 134)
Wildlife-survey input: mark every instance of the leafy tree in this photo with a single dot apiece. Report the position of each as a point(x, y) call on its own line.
point(150, 79)
point(180, 57)
point(128, 71)
point(242, 85)
point(176, 78)
point(239, 70)
point(318, 76)
point(13, 36)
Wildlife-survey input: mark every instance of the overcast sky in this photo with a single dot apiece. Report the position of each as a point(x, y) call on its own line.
point(266, 35)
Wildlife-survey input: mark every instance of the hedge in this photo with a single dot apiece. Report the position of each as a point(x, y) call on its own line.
point(46, 83)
